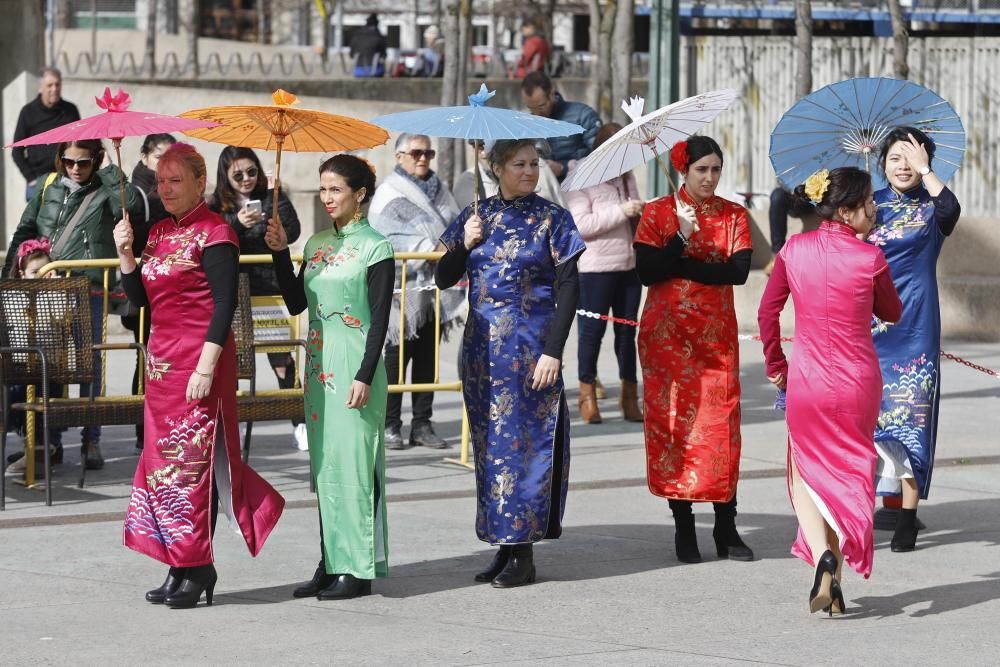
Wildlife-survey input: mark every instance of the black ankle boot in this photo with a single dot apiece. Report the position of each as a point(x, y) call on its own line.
point(345, 587)
point(905, 537)
point(728, 543)
point(319, 581)
point(497, 566)
point(685, 538)
point(197, 580)
point(520, 568)
point(172, 582)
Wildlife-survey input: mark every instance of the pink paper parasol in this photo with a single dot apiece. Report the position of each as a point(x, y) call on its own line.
point(116, 123)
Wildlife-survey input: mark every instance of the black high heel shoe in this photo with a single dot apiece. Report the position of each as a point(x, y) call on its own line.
point(320, 580)
point(820, 596)
point(496, 566)
point(347, 586)
point(520, 568)
point(174, 577)
point(837, 604)
point(197, 580)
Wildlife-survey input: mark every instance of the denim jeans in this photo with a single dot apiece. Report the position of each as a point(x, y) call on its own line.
point(619, 292)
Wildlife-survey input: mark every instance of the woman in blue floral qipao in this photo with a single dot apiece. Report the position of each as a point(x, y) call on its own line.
point(914, 215)
point(520, 253)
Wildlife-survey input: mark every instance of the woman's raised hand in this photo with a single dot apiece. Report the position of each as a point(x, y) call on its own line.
point(473, 232)
point(123, 236)
point(275, 236)
point(687, 220)
point(915, 154)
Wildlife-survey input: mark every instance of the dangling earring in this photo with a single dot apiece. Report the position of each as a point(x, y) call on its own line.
point(357, 215)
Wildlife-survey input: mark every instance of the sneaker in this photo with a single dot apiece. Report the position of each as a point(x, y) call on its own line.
point(423, 435)
point(301, 438)
point(92, 457)
point(17, 462)
point(394, 438)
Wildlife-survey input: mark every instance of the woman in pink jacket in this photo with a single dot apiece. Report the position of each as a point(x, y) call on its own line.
point(606, 215)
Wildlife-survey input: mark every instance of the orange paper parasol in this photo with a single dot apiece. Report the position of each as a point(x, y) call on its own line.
point(280, 127)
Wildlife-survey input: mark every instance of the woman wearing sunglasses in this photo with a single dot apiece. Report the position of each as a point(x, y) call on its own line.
point(76, 207)
point(239, 179)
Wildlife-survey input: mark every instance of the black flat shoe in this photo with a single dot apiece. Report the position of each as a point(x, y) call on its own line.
point(320, 580)
point(520, 568)
point(197, 580)
point(496, 567)
point(174, 577)
point(821, 595)
point(346, 586)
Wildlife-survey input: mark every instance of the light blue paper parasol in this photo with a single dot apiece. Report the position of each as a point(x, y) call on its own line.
point(476, 121)
point(844, 124)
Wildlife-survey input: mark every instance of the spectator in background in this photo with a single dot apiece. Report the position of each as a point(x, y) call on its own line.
point(368, 49)
point(240, 179)
point(465, 185)
point(46, 112)
point(432, 53)
point(782, 206)
point(535, 49)
point(541, 99)
point(412, 208)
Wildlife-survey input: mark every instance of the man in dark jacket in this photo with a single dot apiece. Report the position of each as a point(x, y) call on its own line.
point(368, 49)
point(47, 111)
point(541, 99)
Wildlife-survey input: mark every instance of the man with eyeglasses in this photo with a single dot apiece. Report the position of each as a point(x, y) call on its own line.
point(46, 112)
point(412, 208)
point(541, 99)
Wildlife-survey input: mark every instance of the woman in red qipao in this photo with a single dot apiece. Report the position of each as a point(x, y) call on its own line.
point(691, 248)
point(191, 458)
point(834, 382)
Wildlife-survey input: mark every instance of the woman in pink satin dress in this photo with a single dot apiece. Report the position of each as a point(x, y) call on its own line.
point(834, 384)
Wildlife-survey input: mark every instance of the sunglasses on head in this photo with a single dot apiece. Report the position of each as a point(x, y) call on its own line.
point(418, 153)
point(83, 162)
point(250, 172)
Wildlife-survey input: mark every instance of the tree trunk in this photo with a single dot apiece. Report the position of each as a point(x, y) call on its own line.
point(900, 41)
point(192, 24)
point(262, 7)
point(803, 48)
point(601, 27)
point(460, 148)
point(623, 39)
point(150, 58)
point(450, 80)
point(93, 30)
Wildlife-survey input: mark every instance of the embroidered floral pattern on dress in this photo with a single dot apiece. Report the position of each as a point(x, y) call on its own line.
point(185, 241)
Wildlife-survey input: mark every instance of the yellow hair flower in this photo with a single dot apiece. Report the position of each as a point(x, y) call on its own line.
point(817, 184)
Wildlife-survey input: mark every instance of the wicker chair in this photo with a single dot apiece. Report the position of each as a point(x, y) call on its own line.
point(254, 406)
point(46, 336)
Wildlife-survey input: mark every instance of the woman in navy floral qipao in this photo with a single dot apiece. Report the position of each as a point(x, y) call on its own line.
point(520, 254)
point(914, 215)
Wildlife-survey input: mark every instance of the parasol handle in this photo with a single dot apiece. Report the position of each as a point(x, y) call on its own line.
point(117, 142)
point(476, 177)
point(277, 179)
point(671, 180)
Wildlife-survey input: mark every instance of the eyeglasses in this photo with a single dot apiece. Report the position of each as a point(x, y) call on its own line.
point(83, 162)
point(418, 153)
point(250, 172)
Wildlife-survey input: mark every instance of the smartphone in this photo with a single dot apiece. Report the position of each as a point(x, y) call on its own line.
point(253, 205)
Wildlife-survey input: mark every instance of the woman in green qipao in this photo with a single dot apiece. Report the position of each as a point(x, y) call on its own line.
point(346, 282)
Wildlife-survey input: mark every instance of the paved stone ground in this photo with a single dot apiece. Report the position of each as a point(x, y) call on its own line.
point(609, 592)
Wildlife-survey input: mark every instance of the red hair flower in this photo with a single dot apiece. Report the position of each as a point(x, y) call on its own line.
point(679, 157)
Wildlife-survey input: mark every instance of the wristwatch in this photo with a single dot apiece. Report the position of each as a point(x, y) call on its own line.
point(924, 171)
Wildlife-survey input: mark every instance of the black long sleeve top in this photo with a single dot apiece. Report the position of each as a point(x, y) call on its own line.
point(381, 279)
point(451, 268)
point(221, 265)
point(947, 211)
point(658, 264)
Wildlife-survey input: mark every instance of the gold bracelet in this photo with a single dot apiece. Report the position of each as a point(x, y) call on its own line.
point(204, 375)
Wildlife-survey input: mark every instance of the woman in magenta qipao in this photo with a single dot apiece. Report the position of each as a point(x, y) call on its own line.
point(833, 381)
point(520, 253)
point(191, 458)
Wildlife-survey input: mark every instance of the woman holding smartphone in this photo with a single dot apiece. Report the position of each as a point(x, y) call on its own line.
point(243, 199)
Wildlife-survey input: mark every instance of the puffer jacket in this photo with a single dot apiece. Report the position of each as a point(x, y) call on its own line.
point(574, 146)
point(603, 224)
point(52, 208)
point(263, 281)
